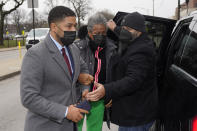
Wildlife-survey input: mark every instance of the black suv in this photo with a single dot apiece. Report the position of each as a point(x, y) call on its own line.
point(176, 43)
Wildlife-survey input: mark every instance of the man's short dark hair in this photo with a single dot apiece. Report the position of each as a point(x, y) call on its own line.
point(58, 13)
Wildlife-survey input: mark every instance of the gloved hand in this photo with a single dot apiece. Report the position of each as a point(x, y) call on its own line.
point(85, 79)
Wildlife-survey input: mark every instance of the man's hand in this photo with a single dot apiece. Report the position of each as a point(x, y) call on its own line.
point(75, 114)
point(96, 94)
point(111, 25)
point(84, 93)
point(109, 104)
point(85, 79)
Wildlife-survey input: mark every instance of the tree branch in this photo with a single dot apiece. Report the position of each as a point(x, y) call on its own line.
point(81, 8)
point(14, 8)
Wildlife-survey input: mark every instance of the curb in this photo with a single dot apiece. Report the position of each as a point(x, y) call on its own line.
point(9, 75)
point(11, 49)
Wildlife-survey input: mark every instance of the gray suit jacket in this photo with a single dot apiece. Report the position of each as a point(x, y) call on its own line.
point(47, 87)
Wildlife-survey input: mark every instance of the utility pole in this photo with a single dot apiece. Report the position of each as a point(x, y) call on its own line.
point(153, 7)
point(33, 4)
point(187, 2)
point(178, 15)
point(33, 19)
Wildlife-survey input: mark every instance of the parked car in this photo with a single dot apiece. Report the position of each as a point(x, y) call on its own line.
point(18, 37)
point(40, 34)
point(176, 43)
point(8, 37)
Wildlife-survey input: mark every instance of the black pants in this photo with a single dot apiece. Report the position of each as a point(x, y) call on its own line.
point(74, 127)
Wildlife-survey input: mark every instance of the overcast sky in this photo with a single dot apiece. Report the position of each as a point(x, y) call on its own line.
point(163, 8)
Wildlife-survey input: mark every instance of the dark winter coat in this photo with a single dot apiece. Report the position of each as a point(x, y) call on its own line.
point(88, 56)
point(133, 89)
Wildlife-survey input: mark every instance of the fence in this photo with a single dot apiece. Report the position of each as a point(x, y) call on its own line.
point(13, 42)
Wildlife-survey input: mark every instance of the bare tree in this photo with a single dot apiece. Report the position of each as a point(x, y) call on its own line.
point(41, 22)
point(81, 7)
point(108, 15)
point(18, 17)
point(4, 12)
point(52, 3)
point(39, 19)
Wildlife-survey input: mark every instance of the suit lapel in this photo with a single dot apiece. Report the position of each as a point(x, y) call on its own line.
point(56, 55)
point(74, 57)
point(61, 62)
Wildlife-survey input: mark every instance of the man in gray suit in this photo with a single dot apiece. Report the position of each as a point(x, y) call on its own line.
point(49, 74)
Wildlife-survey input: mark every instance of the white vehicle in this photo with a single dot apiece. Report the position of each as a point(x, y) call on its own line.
point(40, 34)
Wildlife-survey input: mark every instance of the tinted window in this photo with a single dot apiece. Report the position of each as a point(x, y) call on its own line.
point(182, 38)
point(189, 56)
point(155, 31)
point(186, 51)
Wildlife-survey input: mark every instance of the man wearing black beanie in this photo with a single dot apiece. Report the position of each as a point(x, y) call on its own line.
point(133, 87)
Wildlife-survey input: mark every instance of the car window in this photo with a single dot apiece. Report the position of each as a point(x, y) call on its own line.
point(186, 55)
point(182, 38)
point(189, 56)
point(155, 31)
point(39, 32)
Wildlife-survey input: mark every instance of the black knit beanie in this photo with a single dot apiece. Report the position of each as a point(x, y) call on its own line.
point(135, 21)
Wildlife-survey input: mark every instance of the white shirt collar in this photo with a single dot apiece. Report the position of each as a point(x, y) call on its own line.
point(57, 44)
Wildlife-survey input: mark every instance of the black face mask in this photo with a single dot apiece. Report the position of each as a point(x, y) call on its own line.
point(69, 37)
point(125, 36)
point(99, 41)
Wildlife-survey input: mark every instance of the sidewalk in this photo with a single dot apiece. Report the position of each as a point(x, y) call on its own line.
point(11, 66)
point(11, 48)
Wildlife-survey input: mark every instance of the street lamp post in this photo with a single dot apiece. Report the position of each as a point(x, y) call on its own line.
point(33, 19)
point(33, 4)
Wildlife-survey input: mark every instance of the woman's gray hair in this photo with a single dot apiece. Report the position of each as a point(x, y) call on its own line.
point(97, 18)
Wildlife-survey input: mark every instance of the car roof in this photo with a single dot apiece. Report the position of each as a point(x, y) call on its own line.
point(193, 13)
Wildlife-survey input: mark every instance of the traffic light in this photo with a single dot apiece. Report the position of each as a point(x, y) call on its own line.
point(187, 1)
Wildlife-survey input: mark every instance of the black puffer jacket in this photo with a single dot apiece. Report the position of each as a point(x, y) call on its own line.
point(133, 89)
